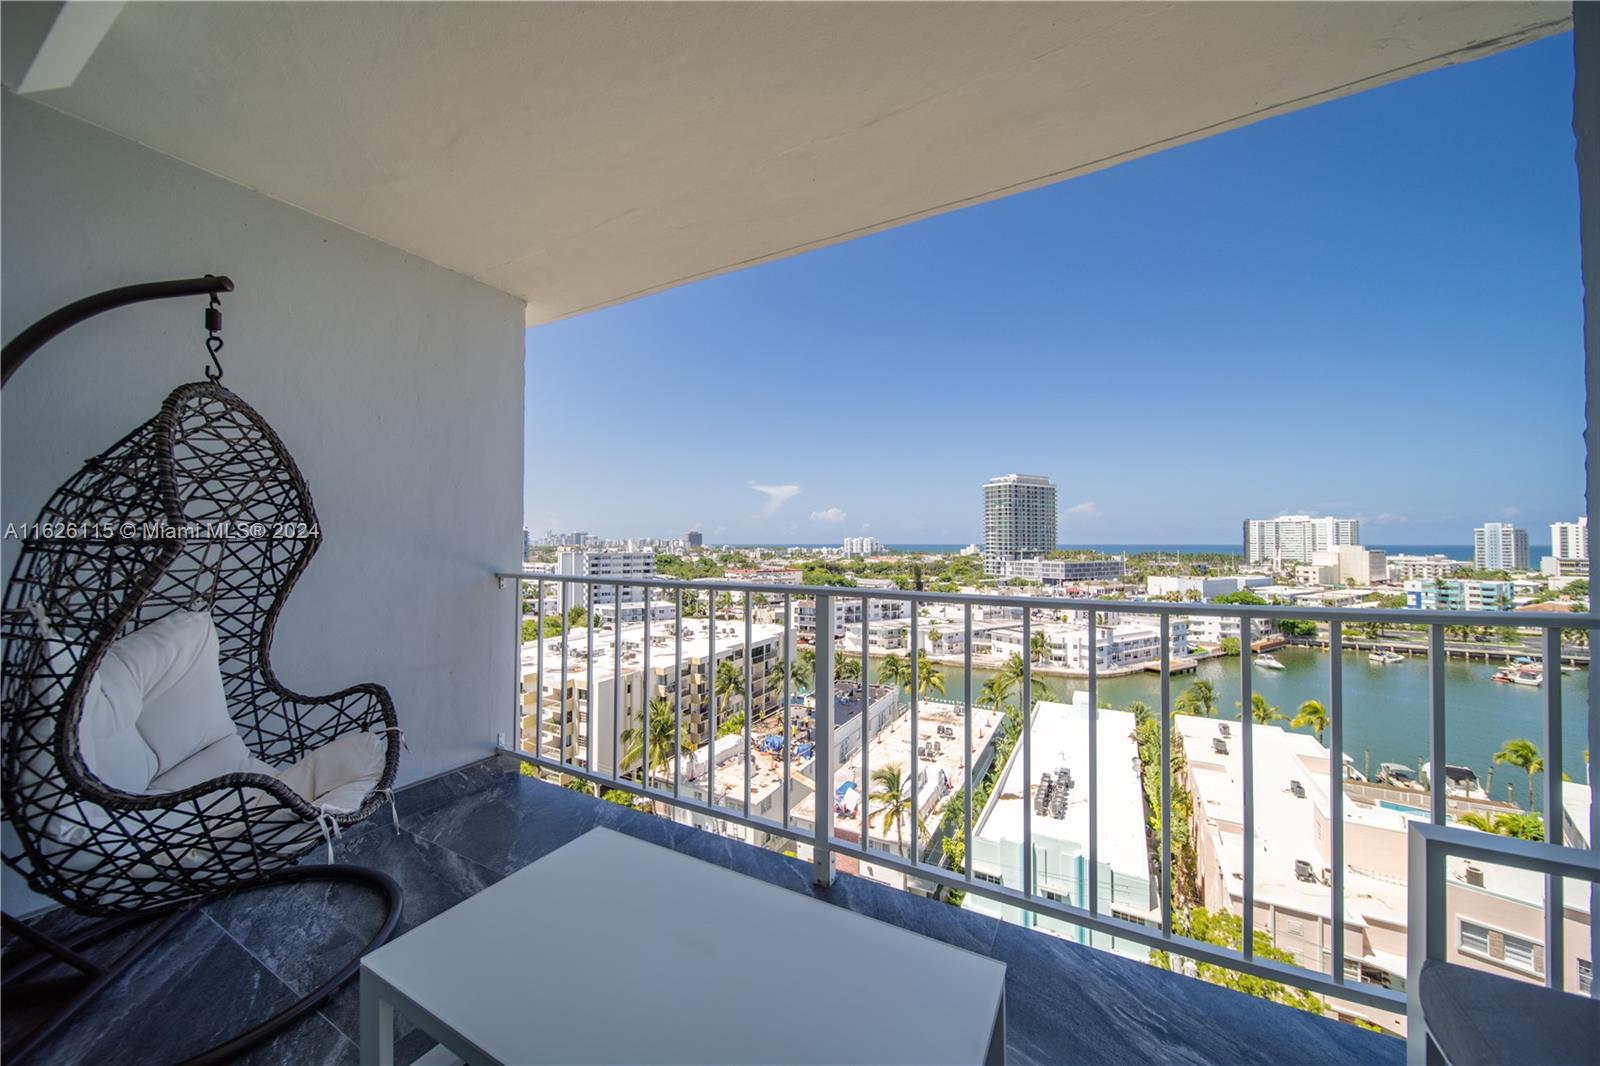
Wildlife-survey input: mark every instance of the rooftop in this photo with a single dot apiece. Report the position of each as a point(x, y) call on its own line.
point(465, 830)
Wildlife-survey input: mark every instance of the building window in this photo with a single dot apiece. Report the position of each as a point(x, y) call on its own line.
point(1499, 946)
point(1585, 976)
point(984, 875)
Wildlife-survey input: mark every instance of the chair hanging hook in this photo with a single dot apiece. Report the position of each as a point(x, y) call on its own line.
point(213, 338)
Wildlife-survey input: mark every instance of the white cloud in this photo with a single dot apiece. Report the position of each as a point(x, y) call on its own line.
point(832, 514)
point(777, 496)
point(1510, 512)
point(1086, 509)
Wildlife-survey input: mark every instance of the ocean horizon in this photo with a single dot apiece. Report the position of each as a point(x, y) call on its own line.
point(1536, 552)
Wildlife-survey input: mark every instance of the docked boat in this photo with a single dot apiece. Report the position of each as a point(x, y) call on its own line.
point(1459, 781)
point(1399, 775)
point(1502, 677)
point(1527, 675)
point(1267, 662)
point(1384, 658)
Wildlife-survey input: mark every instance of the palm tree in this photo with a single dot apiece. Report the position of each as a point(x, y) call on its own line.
point(1522, 826)
point(1198, 698)
point(1141, 712)
point(892, 793)
point(847, 669)
point(894, 671)
point(1039, 648)
point(803, 671)
point(930, 679)
point(997, 690)
point(1014, 669)
point(729, 682)
point(1261, 712)
point(1475, 820)
point(660, 733)
point(1312, 715)
point(1523, 754)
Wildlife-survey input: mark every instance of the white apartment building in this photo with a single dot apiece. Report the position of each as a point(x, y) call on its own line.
point(1292, 538)
point(1351, 562)
point(618, 564)
point(1494, 914)
point(1060, 826)
point(1209, 630)
point(1204, 587)
point(847, 613)
point(1019, 519)
point(1064, 571)
point(863, 546)
point(1119, 645)
point(767, 575)
point(1426, 567)
point(1500, 546)
point(632, 612)
point(1570, 540)
point(626, 709)
point(1447, 594)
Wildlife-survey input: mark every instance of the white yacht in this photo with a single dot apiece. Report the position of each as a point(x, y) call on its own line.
point(1267, 662)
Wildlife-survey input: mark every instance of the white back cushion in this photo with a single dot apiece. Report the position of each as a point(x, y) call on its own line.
point(156, 700)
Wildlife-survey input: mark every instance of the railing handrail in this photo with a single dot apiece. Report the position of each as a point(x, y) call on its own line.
point(1400, 616)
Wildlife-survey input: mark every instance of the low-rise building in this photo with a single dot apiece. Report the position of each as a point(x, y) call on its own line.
point(1062, 571)
point(1460, 594)
point(767, 575)
point(1210, 630)
point(1060, 825)
point(1204, 588)
point(1117, 646)
point(613, 709)
point(1423, 567)
point(1495, 916)
point(847, 612)
point(1352, 563)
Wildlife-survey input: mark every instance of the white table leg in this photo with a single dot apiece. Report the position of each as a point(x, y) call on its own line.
point(377, 1025)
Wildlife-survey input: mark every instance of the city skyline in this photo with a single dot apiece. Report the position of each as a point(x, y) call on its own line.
point(1320, 336)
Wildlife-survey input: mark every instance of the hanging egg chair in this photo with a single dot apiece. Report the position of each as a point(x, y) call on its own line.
point(153, 758)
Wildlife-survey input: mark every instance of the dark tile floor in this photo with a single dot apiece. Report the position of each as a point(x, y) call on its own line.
point(242, 956)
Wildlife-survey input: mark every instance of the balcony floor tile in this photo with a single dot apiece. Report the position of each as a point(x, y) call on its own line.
point(461, 832)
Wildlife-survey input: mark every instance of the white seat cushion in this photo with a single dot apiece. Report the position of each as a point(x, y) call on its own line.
point(338, 775)
point(155, 702)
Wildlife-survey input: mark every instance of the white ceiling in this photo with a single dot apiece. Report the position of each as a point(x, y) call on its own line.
point(578, 155)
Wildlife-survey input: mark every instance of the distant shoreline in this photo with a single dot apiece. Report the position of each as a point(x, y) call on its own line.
point(1462, 552)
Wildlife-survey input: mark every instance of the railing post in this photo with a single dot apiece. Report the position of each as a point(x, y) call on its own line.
point(822, 735)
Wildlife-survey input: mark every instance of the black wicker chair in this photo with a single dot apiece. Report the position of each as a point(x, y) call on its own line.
point(201, 508)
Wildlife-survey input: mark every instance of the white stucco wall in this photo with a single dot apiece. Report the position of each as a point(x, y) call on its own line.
point(396, 384)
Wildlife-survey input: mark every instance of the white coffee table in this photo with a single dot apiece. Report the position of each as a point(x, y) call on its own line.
point(611, 950)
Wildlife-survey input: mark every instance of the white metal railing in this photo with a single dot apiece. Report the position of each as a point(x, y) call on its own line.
point(825, 842)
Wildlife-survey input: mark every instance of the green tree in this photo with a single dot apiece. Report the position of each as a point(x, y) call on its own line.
point(930, 679)
point(1039, 648)
point(1227, 930)
point(577, 616)
point(1141, 713)
point(1524, 755)
point(1240, 596)
point(1527, 826)
point(727, 684)
point(660, 735)
point(1261, 712)
point(734, 723)
point(803, 670)
point(891, 793)
point(997, 690)
point(1297, 627)
point(1312, 715)
point(894, 670)
point(847, 668)
point(1230, 645)
point(1198, 698)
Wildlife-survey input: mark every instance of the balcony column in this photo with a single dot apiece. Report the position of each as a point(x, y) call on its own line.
point(1586, 131)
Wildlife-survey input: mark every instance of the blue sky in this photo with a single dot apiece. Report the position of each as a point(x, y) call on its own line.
point(1370, 308)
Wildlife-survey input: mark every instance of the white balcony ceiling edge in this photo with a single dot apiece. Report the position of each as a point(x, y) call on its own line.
point(581, 155)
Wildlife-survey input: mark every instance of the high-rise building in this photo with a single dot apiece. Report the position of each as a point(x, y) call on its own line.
point(1499, 546)
point(1019, 519)
point(1295, 537)
point(694, 538)
point(1570, 540)
point(527, 543)
point(603, 564)
point(862, 546)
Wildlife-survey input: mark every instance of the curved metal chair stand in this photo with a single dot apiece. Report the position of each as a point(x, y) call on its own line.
point(95, 567)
